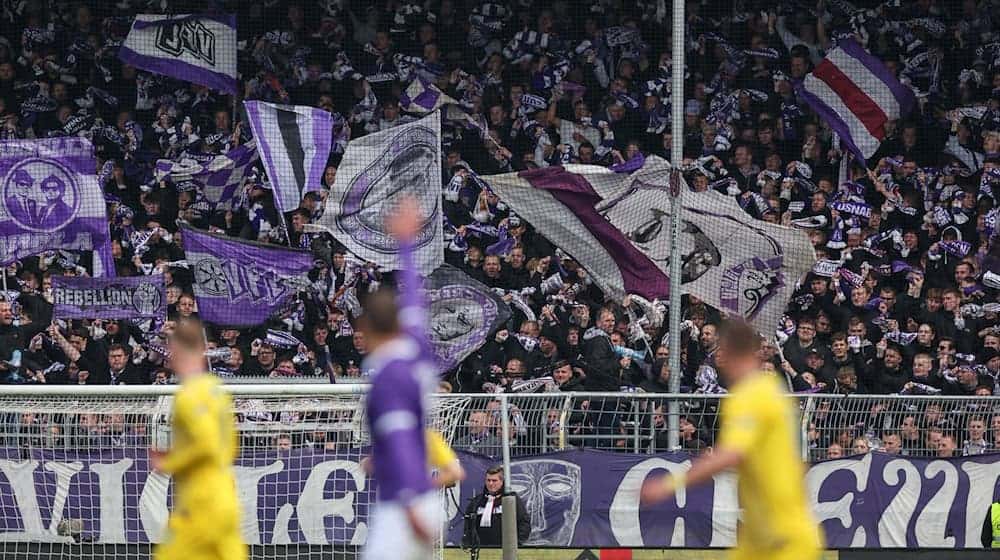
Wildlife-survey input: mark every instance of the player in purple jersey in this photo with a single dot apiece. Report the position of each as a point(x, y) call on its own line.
point(407, 514)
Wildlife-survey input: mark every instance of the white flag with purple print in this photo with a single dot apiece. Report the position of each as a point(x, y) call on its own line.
point(857, 95)
point(617, 226)
point(294, 141)
point(218, 178)
point(189, 47)
point(377, 171)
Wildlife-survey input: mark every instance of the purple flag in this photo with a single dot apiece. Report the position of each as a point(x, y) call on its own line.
point(219, 178)
point(51, 200)
point(242, 283)
point(294, 142)
point(463, 313)
point(421, 96)
point(133, 297)
point(191, 48)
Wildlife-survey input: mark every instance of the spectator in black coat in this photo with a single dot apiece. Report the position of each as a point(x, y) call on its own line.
point(484, 514)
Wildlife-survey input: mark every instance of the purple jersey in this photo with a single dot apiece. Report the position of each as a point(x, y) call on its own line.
point(403, 375)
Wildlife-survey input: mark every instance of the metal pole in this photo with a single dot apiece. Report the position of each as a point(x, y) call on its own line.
point(5, 281)
point(204, 336)
point(676, 157)
point(508, 503)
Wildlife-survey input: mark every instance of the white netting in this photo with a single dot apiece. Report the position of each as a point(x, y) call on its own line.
point(75, 481)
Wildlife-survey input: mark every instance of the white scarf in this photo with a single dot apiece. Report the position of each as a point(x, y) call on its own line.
point(486, 519)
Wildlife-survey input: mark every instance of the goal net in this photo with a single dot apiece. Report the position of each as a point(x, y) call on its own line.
point(75, 479)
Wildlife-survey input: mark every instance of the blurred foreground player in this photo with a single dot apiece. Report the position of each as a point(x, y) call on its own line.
point(759, 438)
point(204, 524)
point(407, 514)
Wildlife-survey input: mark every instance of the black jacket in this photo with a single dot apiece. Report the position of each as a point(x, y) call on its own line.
point(602, 367)
point(492, 535)
point(987, 535)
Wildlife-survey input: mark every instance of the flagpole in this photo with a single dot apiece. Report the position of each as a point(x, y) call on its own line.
point(204, 336)
point(5, 281)
point(676, 192)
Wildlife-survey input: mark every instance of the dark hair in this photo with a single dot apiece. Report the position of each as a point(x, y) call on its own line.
point(380, 312)
point(496, 469)
point(115, 347)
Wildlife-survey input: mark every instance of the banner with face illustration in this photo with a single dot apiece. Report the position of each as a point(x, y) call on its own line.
point(50, 199)
point(578, 498)
point(463, 313)
point(617, 226)
point(377, 171)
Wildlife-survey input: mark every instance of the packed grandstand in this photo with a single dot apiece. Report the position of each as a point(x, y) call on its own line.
point(903, 297)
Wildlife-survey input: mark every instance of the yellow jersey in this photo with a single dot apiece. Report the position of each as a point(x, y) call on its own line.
point(439, 453)
point(760, 421)
point(200, 459)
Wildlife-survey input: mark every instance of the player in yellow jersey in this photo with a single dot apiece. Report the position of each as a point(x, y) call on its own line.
point(204, 524)
point(442, 457)
point(759, 438)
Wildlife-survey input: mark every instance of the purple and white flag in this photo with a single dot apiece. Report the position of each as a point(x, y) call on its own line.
point(131, 297)
point(854, 92)
point(294, 141)
point(190, 47)
point(377, 171)
point(463, 313)
point(51, 200)
point(617, 227)
point(219, 178)
point(242, 283)
point(421, 96)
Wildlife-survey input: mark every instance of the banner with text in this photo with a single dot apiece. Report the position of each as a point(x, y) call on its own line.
point(575, 498)
point(132, 297)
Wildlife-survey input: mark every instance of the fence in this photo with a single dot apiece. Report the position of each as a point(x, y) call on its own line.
point(302, 444)
point(831, 425)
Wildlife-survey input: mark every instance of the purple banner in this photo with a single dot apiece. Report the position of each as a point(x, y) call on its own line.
point(463, 312)
point(242, 283)
point(50, 199)
point(133, 297)
point(575, 498)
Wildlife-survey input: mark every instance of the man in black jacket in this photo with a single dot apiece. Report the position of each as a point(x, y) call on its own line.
point(602, 372)
point(484, 514)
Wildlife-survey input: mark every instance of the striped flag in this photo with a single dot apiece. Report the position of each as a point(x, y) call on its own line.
point(854, 92)
point(294, 142)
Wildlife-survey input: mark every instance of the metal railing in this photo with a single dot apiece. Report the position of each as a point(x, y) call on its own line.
point(831, 425)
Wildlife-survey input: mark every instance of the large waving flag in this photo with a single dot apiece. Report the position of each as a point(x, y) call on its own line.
point(854, 92)
point(51, 200)
point(294, 142)
point(191, 48)
point(463, 313)
point(242, 283)
point(219, 177)
point(617, 226)
point(377, 171)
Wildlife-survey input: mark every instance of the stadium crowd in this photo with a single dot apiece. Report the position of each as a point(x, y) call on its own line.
point(904, 299)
